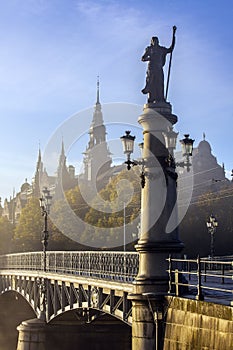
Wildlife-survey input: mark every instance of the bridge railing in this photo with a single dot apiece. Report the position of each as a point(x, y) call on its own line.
point(200, 277)
point(119, 266)
point(206, 278)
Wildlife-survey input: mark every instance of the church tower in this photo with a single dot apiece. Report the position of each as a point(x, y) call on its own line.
point(38, 176)
point(97, 157)
point(62, 169)
point(65, 175)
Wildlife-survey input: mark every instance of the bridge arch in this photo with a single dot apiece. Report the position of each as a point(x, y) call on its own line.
point(84, 328)
point(65, 293)
point(19, 296)
point(28, 287)
point(88, 294)
point(14, 309)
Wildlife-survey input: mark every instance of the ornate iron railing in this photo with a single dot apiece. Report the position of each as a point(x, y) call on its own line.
point(118, 266)
point(204, 278)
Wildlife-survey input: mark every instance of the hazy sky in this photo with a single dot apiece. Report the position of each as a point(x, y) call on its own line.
point(52, 51)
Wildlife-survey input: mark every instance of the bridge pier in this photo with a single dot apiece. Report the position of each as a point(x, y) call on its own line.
point(31, 335)
point(147, 327)
point(159, 231)
point(72, 330)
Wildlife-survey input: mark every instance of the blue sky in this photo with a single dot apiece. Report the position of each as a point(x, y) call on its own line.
point(52, 51)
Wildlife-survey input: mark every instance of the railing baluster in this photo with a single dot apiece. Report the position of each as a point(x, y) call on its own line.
point(170, 274)
point(177, 281)
point(199, 287)
point(205, 270)
point(223, 272)
point(189, 270)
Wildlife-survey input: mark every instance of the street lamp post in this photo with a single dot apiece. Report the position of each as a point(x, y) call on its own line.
point(159, 220)
point(45, 204)
point(124, 238)
point(212, 225)
point(158, 181)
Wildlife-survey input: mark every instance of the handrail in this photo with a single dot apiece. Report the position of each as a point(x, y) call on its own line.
point(203, 277)
point(119, 266)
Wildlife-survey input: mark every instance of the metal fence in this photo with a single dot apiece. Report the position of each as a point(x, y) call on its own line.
point(118, 266)
point(202, 277)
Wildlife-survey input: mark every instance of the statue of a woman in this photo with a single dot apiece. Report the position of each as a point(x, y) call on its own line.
point(156, 55)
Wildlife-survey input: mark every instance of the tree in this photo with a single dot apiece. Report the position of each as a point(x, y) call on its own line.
point(123, 188)
point(77, 202)
point(6, 235)
point(62, 223)
point(28, 231)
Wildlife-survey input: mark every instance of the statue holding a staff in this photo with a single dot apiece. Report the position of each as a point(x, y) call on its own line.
point(156, 56)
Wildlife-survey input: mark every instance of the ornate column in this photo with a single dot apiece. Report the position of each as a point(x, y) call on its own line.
point(159, 231)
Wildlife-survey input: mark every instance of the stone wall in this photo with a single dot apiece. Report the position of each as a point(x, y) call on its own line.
point(198, 325)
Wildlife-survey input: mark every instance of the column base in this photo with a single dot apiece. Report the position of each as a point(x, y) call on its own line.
point(160, 246)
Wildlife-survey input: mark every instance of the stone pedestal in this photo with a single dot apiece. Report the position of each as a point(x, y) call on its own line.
point(159, 231)
point(31, 335)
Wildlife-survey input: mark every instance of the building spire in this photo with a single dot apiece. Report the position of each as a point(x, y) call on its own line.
point(39, 160)
point(62, 147)
point(98, 91)
point(62, 158)
point(203, 136)
point(97, 160)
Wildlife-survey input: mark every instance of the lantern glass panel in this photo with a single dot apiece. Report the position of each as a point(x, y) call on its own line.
point(187, 145)
point(170, 139)
point(128, 142)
